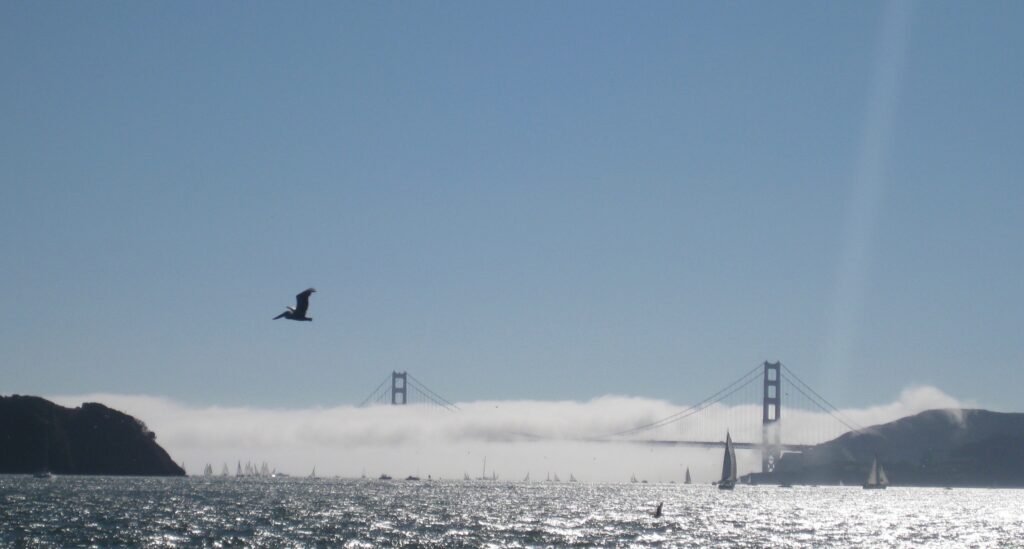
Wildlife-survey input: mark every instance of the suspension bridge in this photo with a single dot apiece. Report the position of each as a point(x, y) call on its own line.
point(750, 408)
point(406, 389)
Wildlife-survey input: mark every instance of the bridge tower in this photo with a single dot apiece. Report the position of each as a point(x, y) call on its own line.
point(398, 387)
point(771, 406)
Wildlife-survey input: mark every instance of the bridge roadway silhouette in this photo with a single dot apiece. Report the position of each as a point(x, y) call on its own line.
point(710, 444)
point(771, 445)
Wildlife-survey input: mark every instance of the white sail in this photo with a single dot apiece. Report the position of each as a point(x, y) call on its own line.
point(224, 470)
point(633, 478)
point(729, 461)
point(557, 479)
point(465, 476)
point(687, 481)
point(877, 477)
point(572, 478)
point(527, 478)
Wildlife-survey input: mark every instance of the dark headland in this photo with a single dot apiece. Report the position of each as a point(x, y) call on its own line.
point(38, 435)
point(956, 447)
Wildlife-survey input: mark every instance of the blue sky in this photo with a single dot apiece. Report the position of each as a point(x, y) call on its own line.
point(511, 201)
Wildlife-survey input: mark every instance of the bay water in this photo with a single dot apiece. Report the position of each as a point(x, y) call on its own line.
point(230, 512)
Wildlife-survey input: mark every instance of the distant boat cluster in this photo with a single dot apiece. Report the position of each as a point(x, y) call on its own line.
point(877, 479)
point(248, 470)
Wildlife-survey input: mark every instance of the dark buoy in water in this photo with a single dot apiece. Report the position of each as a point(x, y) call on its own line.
point(657, 510)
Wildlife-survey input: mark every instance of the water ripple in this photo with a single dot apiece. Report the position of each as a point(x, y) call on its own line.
point(106, 511)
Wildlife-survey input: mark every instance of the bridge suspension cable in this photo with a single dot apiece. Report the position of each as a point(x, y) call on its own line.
point(435, 398)
point(744, 380)
point(818, 400)
point(376, 393)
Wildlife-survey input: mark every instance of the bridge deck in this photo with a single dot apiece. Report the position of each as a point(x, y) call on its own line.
point(715, 444)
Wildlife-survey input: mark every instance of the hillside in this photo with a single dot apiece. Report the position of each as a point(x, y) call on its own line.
point(933, 448)
point(36, 435)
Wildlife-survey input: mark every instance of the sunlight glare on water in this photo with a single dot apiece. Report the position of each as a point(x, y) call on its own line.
point(107, 511)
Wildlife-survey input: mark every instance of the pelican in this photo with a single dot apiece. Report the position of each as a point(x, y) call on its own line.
point(301, 305)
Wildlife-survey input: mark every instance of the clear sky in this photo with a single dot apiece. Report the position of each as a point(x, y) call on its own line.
point(547, 200)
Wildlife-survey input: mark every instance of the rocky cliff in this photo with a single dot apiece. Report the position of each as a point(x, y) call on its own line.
point(38, 435)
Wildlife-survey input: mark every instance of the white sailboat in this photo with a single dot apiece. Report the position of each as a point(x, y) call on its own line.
point(687, 481)
point(633, 479)
point(208, 470)
point(557, 479)
point(313, 474)
point(465, 476)
point(224, 470)
point(728, 481)
point(572, 478)
point(877, 480)
point(527, 478)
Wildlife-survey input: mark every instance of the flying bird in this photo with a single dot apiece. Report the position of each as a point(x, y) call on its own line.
point(301, 306)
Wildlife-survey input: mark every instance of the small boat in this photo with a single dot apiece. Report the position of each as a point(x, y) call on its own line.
point(557, 479)
point(633, 479)
point(876, 478)
point(527, 478)
point(313, 474)
point(728, 481)
point(412, 477)
point(224, 470)
point(657, 510)
point(483, 473)
point(42, 474)
point(384, 476)
point(572, 478)
point(687, 481)
point(785, 485)
point(465, 476)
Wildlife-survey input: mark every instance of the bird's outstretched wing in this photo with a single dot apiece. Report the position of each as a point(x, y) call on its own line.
point(280, 315)
point(302, 302)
